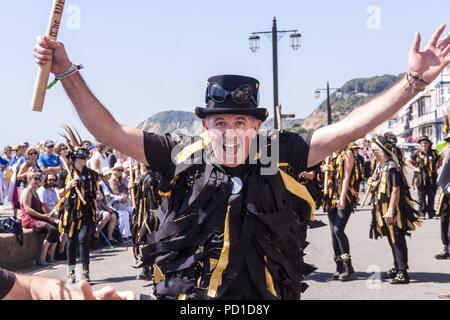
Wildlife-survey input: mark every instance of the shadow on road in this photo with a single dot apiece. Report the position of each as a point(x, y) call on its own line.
point(326, 277)
point(426, 277)
point(415, 277)
point(113, 280)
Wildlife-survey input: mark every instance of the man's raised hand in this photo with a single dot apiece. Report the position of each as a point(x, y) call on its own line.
point(428, 64)
point(47, 50)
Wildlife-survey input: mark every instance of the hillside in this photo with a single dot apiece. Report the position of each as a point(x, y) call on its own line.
point(355, 93)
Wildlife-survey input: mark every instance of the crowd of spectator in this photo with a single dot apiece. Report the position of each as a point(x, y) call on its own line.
point(33, 180)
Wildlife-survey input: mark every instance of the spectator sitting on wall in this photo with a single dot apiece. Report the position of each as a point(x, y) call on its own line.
point(115, 201)
point(34, 217)
point(107, 218)
point(48, 160)
point(48, 195)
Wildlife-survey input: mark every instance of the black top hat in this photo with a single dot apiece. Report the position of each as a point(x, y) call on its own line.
point(424, 138)
point(80, 153)
point(232, 94)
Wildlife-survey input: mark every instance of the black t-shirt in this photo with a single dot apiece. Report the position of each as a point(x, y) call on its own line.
point(395, 179)
point(294, 149)
point(7, 280)
point(62, 179)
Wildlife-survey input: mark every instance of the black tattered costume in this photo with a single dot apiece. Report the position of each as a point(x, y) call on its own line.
point(387, 176)
point(78, 214)
point(425, 180)
point(338, 218)
point(209, 239)
point(145, 219)
point(227, 233)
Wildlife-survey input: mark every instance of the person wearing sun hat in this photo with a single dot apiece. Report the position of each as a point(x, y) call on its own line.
point(393, 214)
point(79, 216)
point(425, 163)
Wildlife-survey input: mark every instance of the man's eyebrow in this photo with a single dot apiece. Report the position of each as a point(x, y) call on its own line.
point(217, 119)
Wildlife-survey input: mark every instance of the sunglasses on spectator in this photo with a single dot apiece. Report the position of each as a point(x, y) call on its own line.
point(33, 154)
point(15, 150)
point(63, 149)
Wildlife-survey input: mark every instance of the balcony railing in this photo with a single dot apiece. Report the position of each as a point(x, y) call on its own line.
point(425, 119)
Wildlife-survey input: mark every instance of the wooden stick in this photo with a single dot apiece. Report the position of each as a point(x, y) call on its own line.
point(326, 175)
point(69, 174)
point(37, 101)
point(369, 186)
point(132, 179)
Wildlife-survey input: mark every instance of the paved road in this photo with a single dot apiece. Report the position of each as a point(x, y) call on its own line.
point(370, 257)
point(108, 267)
point(428, 275)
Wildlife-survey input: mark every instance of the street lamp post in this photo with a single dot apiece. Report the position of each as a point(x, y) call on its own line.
point(338, 95)
point(276, 34)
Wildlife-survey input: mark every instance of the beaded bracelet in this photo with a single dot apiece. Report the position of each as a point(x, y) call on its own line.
point(414, 82)
point(70, 71)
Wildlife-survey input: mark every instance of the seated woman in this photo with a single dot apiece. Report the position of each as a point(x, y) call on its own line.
point(106, 217)
point(119, 186)
point(34, 217)
point(116, 203)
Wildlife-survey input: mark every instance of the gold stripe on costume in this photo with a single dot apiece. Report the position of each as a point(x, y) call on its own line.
point(192, 148)
point(269, 279)
point(181, 296)
point(411, 226)
point(72, 228)
point(283, 164)
point(399, 219)
point(212, 263)
point(391, 231)
point(158, 276)
point(299, 190)
point(165, 194)
point(216, 277)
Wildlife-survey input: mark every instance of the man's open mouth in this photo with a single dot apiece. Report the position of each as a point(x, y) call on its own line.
point(231, 149)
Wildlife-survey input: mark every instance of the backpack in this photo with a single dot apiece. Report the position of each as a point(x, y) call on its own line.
point(11, 225)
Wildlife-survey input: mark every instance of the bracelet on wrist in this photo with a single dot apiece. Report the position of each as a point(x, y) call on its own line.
point(415, 83)
point(70, 71)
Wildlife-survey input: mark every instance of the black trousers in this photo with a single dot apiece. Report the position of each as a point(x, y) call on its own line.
point(338, 221)
point(445, 219)
point(82, 239)
point(51, 233)
point(398, 247)
point(426, 200)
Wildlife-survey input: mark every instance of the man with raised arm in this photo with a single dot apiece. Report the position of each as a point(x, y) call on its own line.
point(227, 229)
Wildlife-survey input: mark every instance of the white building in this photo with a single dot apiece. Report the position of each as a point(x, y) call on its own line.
point(423, 115)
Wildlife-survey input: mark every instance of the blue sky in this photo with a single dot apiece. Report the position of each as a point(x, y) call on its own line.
point(143, 57)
